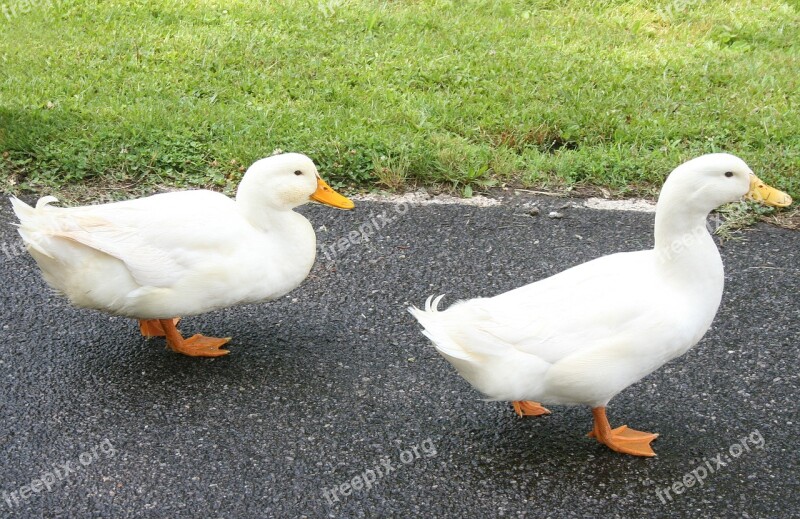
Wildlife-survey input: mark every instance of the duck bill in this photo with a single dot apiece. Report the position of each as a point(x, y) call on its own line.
point(326, 195)
point(761, 192)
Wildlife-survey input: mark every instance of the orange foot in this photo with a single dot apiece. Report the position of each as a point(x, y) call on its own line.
point(529, 408)
point(622, 439)
point(195, 346)
point(200, 346)
point(152, 327)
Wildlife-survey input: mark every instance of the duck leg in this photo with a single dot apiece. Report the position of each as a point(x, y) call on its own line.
point(622, 439)
point(152, 327)
point(529, 408)
point(195, 346)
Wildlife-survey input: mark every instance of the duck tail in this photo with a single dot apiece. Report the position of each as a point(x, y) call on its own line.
point(435, 329)
point(30, 220)
point(25, 212)
point(21, 209)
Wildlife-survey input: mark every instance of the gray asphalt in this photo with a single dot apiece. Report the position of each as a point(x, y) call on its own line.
point(336, 381)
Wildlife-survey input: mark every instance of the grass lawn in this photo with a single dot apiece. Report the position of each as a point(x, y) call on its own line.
point(129, 95)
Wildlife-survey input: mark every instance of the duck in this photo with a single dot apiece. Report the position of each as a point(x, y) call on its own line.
point(182, 253)
point(585, 334)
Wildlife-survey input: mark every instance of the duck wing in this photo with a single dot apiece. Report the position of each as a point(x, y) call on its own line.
point(577, 309)
point(157, 238)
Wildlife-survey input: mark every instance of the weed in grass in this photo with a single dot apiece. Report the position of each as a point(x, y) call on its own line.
point(738, 215)
point(391, 172)
point(505, 163)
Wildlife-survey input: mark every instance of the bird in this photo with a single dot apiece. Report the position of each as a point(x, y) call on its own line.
point(185, 252)
point(582, 336)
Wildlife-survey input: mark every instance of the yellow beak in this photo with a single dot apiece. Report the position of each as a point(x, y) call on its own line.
point(760, 192)
point(325, 195)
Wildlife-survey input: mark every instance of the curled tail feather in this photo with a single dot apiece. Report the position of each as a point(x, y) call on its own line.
point(27, 215)
point(435, 330)
point(25, 212)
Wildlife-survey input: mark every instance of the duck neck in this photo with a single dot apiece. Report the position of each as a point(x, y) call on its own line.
point(258, 210)
point(290, 231)
point(266, 218)
point(684, 248)
point(675, 227)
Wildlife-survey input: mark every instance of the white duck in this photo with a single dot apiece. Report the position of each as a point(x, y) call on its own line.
point(182, 253)
point(585, 334)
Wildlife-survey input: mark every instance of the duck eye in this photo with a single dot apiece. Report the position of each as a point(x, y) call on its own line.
point(729, 174)
point(298, 172)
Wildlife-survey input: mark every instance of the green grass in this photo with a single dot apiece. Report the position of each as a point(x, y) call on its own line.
point(466, 94)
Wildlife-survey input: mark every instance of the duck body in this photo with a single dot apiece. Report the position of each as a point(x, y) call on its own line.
point(589, 332)
point(136, 259)
point(182, 253)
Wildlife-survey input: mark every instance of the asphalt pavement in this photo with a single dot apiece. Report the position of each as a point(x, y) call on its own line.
point(333, 404)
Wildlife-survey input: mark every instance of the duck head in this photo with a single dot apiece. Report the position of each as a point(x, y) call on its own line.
point(283, 182)
point(709, 181)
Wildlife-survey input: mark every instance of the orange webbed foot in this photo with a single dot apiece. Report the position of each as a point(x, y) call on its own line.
point(621, 439)
point(200, 346)
point(529, 408)
point(195, 346)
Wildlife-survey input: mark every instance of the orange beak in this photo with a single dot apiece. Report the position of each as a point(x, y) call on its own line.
point(326, 195)
point(761, 192)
